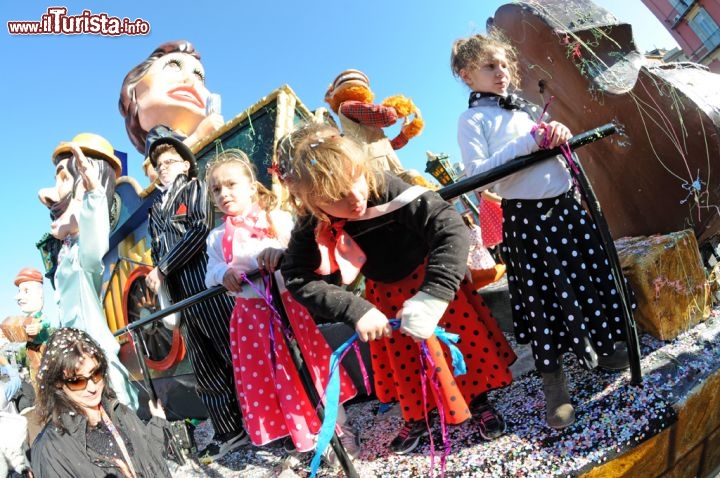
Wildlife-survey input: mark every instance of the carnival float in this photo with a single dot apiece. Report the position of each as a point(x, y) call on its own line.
point(655, 178)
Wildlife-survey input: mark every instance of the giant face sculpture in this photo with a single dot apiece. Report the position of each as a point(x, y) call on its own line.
point(168, 89)
point(172, 93)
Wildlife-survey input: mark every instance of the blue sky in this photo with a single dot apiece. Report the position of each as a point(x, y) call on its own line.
point(59, 85)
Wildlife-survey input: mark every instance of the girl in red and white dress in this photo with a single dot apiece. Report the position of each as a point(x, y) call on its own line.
point(411, 246)
point(254, 235)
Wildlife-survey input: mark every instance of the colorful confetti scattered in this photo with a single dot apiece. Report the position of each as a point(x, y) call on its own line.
point(613, 416)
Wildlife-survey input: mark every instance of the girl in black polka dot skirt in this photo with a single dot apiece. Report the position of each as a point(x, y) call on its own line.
point(561, 286)
point(412, 248)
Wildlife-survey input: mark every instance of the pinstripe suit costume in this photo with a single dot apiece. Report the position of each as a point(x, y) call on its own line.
point(178, 225)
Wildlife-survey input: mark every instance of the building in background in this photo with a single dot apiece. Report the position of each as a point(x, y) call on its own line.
point(695, 25)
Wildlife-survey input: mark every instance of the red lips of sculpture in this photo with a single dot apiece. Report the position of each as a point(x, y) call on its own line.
point(188, 94)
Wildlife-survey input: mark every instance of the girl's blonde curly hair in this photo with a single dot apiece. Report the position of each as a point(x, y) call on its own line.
point(317, 163)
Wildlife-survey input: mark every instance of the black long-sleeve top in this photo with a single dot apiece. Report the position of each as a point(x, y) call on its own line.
point(427, 227)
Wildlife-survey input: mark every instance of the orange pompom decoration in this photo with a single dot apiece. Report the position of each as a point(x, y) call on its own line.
point(347, 92)
point(413, 128)
point(413, 177)
point(402, 104)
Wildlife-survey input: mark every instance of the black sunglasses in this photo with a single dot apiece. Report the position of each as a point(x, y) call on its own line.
point(79, 382)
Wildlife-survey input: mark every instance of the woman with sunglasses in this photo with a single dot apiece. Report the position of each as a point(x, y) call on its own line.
point(87, 431)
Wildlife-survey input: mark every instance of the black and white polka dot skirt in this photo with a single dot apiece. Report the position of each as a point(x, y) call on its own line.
point(562, 292)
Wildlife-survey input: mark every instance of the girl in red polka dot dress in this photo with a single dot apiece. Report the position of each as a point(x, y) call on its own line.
point(254, 234)
point(412, 248)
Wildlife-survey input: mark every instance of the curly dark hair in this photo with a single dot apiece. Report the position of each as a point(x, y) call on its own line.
point(128, 104)
point(65, 348)
point(470, 52)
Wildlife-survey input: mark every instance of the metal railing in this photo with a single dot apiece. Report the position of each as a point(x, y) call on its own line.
point(448, 192)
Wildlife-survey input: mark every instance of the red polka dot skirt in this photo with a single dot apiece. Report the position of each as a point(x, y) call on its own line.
point(271, 395)
point(396, 361)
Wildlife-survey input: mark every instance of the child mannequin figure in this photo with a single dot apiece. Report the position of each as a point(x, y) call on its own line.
point(254, 235)
point(412, 248)
point(561, 289)
point(351, 98)
point(179, 224)
point(30, 298)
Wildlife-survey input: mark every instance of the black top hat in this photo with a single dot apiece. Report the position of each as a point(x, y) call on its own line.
point(163, 135)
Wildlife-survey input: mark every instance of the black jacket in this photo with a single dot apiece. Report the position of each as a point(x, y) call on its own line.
point(178, 229)
point(66, 455)
point(428, 228)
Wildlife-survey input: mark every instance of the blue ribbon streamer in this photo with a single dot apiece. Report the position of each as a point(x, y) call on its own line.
point(332, 391)
point(449, 339)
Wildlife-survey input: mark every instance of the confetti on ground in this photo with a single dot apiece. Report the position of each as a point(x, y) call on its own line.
point(613, 416)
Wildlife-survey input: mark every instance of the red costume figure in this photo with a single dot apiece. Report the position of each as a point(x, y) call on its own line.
point(254, 235)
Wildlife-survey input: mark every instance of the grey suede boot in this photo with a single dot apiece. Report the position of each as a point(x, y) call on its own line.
point(560, 412)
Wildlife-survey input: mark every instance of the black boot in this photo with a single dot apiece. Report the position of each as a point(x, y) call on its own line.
point(618, 360)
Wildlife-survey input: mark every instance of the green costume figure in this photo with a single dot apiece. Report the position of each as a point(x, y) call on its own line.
point(29, 282)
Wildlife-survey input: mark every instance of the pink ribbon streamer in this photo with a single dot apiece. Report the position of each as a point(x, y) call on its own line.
point(426, 357)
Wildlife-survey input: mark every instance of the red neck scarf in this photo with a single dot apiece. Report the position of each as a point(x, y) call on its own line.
point(338, 251)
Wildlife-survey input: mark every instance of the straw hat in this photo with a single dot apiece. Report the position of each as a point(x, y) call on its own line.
point(91, 143)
